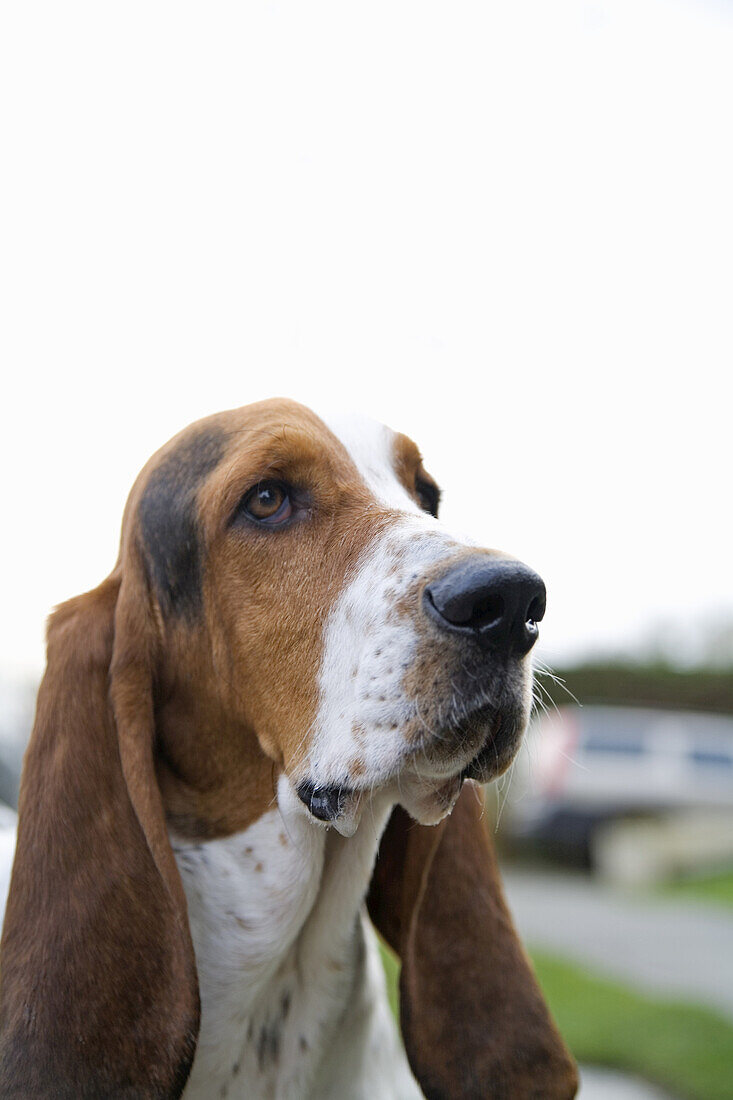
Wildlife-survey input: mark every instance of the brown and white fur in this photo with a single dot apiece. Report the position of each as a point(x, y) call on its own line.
point(241, 739)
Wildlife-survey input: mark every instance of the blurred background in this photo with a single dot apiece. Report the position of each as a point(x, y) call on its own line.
point(505, 229)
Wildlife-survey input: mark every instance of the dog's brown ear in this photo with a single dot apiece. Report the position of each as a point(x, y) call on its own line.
point(474, 1021)
point(98, 987)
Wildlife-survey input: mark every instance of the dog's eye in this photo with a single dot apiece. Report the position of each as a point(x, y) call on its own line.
point(428, 494)
point(268, 503)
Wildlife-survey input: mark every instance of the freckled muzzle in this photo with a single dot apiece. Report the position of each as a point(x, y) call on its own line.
point(469, 679)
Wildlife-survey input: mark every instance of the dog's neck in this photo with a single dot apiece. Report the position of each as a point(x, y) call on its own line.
point(292, 991)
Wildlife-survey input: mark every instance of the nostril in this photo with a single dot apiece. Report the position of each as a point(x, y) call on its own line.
point(536, 610)
point(487, 610)
point(467, 608)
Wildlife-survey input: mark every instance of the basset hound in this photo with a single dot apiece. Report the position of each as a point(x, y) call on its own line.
point(259, 739)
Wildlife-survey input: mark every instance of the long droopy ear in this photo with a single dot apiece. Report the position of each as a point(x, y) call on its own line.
point(474, 1022)
point(98, 987)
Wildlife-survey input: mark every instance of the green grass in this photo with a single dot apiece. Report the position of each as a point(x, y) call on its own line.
point(715, 888)
point(685, 1049)
point(391, 966)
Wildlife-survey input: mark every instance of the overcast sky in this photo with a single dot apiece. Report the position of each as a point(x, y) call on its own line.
point(505, 228)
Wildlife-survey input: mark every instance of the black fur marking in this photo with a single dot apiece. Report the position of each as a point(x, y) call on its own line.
point(168, 522)
point(268, 1046)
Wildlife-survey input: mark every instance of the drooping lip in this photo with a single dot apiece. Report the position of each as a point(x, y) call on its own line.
point(326, 801)
point(499, 747)
point(501, 728)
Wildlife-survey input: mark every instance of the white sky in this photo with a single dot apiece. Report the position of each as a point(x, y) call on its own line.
point(505, 228)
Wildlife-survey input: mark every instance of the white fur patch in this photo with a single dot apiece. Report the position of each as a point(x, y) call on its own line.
point(292, 993)
point(370, 446)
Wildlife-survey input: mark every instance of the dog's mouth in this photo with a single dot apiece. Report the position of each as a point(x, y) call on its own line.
point(428, 789)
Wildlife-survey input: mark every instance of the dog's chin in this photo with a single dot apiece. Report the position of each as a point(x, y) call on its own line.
point(427, 800)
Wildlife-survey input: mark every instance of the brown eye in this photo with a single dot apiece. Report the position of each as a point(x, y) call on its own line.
point(268, 503)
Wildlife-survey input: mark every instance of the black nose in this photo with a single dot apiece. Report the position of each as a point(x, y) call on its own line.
point(497, 602)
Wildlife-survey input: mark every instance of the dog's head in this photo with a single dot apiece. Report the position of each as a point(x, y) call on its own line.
point(305, 592)
point(285, 602)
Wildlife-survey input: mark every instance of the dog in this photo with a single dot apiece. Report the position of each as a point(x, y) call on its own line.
point(259, 739)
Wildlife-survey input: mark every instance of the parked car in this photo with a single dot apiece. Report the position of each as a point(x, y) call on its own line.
point(583, 767)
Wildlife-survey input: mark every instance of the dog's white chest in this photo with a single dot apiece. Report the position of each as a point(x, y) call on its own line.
point(292, 992)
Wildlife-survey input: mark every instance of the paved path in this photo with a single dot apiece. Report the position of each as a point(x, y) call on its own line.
point(604, 1084)
point(664, 946)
